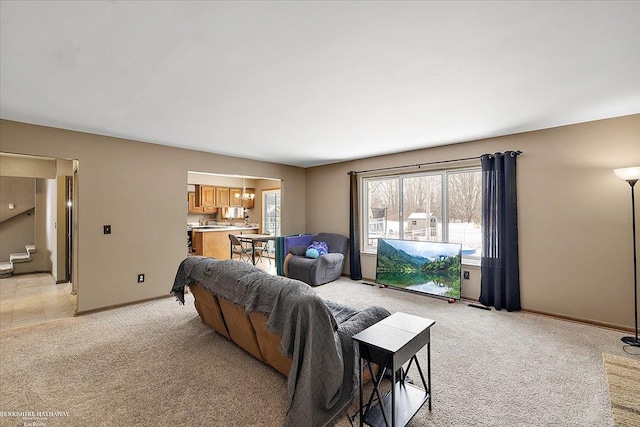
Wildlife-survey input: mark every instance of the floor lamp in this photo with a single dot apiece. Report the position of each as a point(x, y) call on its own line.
point(632, 175)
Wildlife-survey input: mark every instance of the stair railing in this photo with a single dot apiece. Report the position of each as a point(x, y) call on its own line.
point(11, 218)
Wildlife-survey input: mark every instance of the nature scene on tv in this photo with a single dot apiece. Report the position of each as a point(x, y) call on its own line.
point(429, 267)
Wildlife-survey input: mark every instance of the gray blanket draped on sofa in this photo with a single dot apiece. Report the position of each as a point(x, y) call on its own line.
point(316, 334)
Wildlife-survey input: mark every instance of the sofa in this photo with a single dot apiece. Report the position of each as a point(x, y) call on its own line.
point(285, 324)
point(315, 271)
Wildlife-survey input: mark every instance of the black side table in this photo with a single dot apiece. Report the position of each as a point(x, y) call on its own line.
point(391, 343)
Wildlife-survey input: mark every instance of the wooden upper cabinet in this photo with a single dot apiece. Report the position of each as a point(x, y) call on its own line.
point(234, 197)
point(193, 207)
point(222, 197)
point(248, 204)
point(207, 198)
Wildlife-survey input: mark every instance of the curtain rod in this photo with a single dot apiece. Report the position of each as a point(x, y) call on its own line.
point(418, 165)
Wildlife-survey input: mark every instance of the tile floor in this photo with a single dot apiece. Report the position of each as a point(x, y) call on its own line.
point(33, 298)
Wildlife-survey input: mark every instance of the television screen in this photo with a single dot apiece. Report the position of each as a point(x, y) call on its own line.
point(430, 267)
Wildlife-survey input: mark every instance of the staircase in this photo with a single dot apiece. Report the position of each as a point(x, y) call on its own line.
point(6, 268)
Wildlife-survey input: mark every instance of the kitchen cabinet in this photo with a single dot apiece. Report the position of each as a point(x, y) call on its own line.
point(196, 243)
point(235, 198)
point(211, 244)
point(222, 197)
point(207, 198)
point(193, 207)
point(215, 243)
point(248, 204)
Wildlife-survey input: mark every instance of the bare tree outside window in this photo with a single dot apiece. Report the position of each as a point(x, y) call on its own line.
point(422, 207)
point(465, 209)
point(383, 211)
point(384, 194)
point(465, 197)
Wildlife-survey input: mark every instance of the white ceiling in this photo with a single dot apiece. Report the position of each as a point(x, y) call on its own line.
point(314, 82)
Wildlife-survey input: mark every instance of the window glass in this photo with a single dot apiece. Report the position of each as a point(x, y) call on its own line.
point(382, 209)
point(443, 206)
point(422, 207)
point(464, 196)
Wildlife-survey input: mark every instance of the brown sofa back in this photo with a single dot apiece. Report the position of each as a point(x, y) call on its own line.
point(208, 308)
point(269, 344)
point(247, 331)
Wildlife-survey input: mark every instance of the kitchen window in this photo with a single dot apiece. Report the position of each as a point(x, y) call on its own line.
point(440, 206)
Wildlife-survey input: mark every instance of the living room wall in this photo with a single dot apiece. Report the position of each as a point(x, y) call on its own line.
point(574, 214)
point(138, 189)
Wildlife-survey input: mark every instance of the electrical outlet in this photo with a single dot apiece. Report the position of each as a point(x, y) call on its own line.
point(141, 278)
point(107, 229)
point(465, 275)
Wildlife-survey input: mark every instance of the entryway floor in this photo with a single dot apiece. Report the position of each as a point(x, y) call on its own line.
point(30, 299)
point(33, 298)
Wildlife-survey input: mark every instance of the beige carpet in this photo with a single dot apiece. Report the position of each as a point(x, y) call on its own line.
point(156, 364)
point(623, 378)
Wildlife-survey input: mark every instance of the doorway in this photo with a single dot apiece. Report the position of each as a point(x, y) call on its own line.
point(44, 285)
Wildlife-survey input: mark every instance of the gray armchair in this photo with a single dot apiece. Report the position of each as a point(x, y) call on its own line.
point(321, 270)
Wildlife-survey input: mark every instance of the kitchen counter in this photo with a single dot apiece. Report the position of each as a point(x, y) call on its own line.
point(213, 240)
point(208, 228)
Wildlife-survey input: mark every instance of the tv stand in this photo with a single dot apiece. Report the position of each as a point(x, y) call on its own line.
point(391, 343)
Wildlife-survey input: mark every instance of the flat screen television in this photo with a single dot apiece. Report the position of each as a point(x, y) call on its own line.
point(432, 268)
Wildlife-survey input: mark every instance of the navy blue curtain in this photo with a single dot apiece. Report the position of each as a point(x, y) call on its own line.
point(500, 282)
point(355, 267)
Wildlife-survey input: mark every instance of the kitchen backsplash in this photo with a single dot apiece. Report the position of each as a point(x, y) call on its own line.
point(195, 218)
point(254, 217)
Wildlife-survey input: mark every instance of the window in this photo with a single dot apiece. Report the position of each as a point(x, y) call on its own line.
point(271, 214)
point(442, 206)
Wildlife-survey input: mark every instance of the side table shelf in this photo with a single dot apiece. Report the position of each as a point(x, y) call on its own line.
point(391, 343)
point(409, 399)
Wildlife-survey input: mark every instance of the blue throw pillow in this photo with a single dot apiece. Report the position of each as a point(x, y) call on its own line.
point(316, 249)
point(312, 253)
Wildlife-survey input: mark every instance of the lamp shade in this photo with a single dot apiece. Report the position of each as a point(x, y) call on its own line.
point(628, 173)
